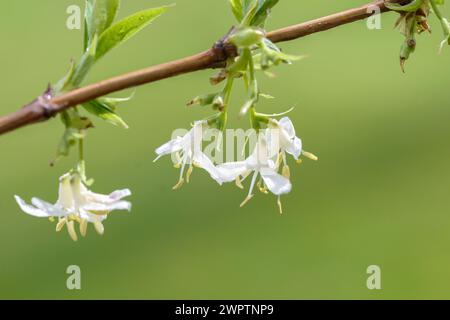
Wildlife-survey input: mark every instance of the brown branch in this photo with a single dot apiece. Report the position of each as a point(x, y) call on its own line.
point(45, 106)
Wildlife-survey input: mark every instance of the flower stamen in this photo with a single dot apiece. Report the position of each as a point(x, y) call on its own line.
point(239, 182)
point(179, 184)
point(71, 230)
point(83, 227)
point(189, 172)
point(309, 155)
point(60, 224)
point(280, 206)
point(249, 197)
point(99, 227)
point(286, 172)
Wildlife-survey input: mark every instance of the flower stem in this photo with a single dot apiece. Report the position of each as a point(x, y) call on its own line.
point(436, 10)
point(81, 149)
point(227, 92)
point(444, 22)
point(252, 79)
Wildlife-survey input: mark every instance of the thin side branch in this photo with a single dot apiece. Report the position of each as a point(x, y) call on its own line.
point(46, 106)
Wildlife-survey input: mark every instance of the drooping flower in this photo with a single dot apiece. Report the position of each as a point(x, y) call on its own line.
point(77, 204)
point(188, 151)
point(282, 139)
point(262, 165)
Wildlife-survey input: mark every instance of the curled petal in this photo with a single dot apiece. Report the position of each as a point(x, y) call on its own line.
point(275, 182)
point(106, 199)
point(286, 124)
point(231, 170)
point(52, 210)
point(40, 213)
point(170, 147)
point(107, 207)
point(295, 149)
point(205, 163)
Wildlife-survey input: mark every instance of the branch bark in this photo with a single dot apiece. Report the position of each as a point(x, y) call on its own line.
point(46, 106)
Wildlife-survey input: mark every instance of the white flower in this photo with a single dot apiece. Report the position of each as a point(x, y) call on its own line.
point(77, 204)
point(188, 151)
point(261, 164)
point(282, 139)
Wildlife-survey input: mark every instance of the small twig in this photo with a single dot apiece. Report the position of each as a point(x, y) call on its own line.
point(42, 108)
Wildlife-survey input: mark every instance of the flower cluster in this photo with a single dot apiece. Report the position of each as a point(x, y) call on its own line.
point(77, 204)
point(267, 163)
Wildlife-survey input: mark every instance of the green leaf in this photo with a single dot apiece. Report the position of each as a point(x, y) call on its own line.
point(65, 83)
point(263, 12)
point(252, 12)
point(236, 7)
point(88, 13)
point(100, 15)
point(113, 102)
point(250, 9)
point(125, 29)
point(105, 112)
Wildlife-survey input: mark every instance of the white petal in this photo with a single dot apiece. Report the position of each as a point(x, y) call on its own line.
point(286, 125)
point(260, 154)
point(295, 149)
point(119, 194)
point(50, 209)
point(273, 142)
point(229, 171)
point(90, 217)
point(78, 192)
point(170, 147)
point(65, 196)
point(31, 210)
point(205, 163)
point(107, 207)
point(106, 199)
point(276, 183)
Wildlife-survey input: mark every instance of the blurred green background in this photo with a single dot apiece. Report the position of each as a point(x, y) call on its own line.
point(378, 196)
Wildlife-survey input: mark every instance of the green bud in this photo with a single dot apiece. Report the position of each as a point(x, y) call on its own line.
point(247, 37)
point(203, 100)
point(218, 102)
point(248, 104)
point(241, 63)
point(219, 77)
point(406, 49)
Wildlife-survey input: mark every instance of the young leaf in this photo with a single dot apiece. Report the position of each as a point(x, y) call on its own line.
point(65, 82)
point(88, 13)
point(236, 7)
point(125, 29)
point(105, 112)
point(113, 102)
point(100, 15)
point(263, 11)
point(250, 9)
